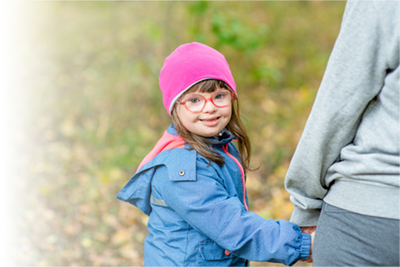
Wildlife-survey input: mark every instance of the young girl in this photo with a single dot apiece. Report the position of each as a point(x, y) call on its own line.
point(192, 184)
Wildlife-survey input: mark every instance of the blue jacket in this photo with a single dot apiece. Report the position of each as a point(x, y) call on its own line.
point(197, 213)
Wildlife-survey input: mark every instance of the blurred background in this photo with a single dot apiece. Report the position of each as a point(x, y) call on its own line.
point(82, 107)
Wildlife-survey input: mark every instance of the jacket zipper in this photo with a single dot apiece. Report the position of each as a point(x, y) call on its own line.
point(226, 150)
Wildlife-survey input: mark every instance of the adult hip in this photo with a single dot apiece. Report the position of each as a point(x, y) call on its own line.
point(345, 238)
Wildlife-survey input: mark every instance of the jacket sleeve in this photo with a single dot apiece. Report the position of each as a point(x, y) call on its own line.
point(205, 204)
point(353, 77)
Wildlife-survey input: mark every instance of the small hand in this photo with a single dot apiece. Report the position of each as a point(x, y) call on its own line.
point(310, 230)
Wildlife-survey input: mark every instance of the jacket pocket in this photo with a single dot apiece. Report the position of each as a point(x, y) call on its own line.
point(211, 251)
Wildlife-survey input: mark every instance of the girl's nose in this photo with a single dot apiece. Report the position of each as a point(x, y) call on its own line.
point(209, 107)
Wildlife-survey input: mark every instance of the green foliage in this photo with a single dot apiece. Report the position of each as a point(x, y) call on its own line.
point(230, 31)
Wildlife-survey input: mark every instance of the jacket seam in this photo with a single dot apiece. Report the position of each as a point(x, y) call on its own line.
point(223, 228)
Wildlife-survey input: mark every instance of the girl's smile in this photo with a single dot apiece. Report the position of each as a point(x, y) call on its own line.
point(210, 121)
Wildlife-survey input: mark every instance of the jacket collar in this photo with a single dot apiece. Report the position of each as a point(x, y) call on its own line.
point(223, 137)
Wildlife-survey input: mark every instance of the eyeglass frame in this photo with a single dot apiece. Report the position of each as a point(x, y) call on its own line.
point(206, 99)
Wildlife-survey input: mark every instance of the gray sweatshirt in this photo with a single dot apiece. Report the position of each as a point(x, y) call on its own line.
point(348, 154)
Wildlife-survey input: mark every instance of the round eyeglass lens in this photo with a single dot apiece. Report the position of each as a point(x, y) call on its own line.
point(195, 103)
point(222, 98)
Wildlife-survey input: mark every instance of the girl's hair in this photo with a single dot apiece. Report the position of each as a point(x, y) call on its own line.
point(235, 126)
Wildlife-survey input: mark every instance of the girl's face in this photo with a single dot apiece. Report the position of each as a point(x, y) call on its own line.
point(208, 122)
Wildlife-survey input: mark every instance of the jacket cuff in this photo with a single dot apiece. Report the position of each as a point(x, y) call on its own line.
point(305, 246)
point(305, 217)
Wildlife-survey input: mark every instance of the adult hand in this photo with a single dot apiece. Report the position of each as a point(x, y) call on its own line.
point(311, 231)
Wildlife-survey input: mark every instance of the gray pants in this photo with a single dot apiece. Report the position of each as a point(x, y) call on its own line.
point(344, 238)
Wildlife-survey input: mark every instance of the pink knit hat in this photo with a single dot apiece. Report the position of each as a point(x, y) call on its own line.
point(188, 65)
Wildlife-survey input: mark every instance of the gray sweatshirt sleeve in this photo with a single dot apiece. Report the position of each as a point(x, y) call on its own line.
point(354, 76)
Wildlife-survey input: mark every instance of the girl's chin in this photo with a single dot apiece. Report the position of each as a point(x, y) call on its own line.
point(208, 133)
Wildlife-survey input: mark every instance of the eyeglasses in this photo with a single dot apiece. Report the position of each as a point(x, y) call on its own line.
point(196, 103)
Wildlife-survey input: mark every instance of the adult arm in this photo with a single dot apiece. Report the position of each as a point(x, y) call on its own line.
point(353, 77)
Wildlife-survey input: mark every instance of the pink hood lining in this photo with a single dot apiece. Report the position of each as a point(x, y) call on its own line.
point(166, 142)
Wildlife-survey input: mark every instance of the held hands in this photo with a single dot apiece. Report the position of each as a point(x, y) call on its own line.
point(310, 230)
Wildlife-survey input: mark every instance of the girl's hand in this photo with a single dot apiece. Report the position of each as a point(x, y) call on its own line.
point(310, 230)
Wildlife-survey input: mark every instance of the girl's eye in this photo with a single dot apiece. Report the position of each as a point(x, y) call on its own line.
point(219, 96)
point(194, 100)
